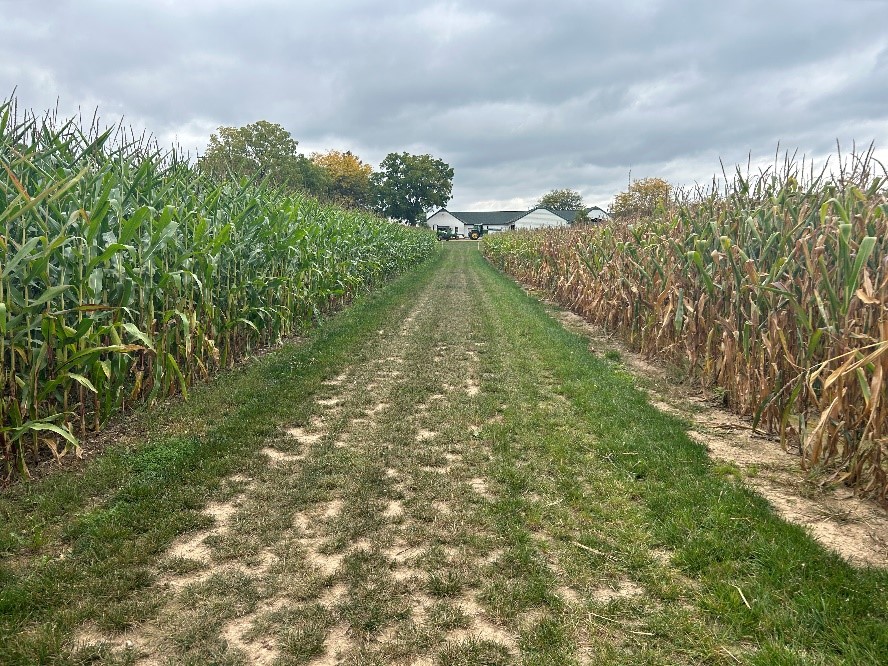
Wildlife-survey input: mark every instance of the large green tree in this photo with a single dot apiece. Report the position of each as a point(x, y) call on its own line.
point(407, 186)
point(264, 151)
point(562, 200)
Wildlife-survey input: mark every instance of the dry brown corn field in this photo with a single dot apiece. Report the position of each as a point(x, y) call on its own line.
point(772, 291)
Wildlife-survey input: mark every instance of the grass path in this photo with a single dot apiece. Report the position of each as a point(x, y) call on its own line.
point(442, 475)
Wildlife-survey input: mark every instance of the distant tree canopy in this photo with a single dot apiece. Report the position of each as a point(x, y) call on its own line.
point(582, 217)
point(407, 186)
point(643, 198)
point(264, 151)
point(562, 200)
point(348, 178)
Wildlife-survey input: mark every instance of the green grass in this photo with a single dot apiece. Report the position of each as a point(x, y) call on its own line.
point(550, 517)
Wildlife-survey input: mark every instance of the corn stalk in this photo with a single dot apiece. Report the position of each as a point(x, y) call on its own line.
point(125, 276)
point(774, 289)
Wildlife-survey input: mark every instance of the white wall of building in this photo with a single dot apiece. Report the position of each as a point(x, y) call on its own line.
point(540, 219)
point(445, 219)
point(598, 214)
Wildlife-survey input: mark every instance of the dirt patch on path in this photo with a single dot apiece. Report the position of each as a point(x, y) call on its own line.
point(855, 528)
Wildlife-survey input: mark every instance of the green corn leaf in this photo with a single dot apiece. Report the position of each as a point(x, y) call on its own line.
point(48, 295)
point(864, 385)
point(134, 331)
point(697, 259)
point(90, 354)
point(864, 251)
point(24, 252)
point(174, 367)
point(42, 426)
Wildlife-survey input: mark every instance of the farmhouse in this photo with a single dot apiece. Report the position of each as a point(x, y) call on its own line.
point(507, 220)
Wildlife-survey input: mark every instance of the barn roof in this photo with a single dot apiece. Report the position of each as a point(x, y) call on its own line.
point(507, 217)
point(494, 217)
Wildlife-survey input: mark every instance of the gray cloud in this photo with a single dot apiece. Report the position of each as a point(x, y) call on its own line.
point(519, 97)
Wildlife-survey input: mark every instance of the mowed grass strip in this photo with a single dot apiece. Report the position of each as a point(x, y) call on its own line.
point(82, 545)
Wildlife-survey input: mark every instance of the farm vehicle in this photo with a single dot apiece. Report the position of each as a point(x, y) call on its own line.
point(447, 233)
point(477, 230)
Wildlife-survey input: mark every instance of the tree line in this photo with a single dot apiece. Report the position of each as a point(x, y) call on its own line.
point(643, 198)
point(404, 187)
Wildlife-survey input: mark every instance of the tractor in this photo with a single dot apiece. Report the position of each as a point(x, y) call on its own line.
point(446, 233)
point(477, 230)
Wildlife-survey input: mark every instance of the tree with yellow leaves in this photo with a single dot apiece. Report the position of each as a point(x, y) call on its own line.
point(348, 178)
point(642, 199)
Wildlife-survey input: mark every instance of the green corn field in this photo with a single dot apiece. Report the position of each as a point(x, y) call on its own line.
point(773, 288)
point(125, 276)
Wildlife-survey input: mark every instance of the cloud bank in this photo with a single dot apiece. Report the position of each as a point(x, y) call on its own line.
point(519, 97)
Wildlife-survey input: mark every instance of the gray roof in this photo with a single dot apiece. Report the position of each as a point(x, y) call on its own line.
point(494, 217)
point(568, 215)
point(504, 218)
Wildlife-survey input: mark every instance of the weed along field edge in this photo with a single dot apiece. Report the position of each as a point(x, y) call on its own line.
point(441, 474)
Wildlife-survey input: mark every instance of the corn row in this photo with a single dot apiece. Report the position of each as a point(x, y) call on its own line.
point(774, 289)
point(125, 276)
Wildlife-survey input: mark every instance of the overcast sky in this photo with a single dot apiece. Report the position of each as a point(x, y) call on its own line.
point(519, 97)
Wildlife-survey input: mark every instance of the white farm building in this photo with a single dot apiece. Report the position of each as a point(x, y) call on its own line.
point(509, 220)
